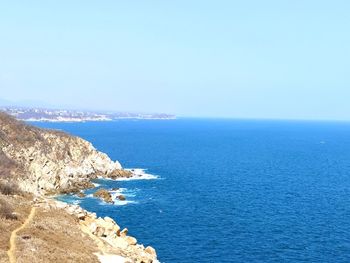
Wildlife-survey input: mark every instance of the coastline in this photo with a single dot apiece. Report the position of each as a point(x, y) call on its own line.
point(113, 242)
point(41, 163)
point(64, 115)
point(71, 120)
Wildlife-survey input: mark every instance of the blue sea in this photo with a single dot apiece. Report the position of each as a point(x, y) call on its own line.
point(229, 190)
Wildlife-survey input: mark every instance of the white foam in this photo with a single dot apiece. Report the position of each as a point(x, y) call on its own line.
point(138, 174)
point(115, 194)
point(111, 258)
point(123, 191)
point(126, 194)
point(120, 203)
point(119, 190)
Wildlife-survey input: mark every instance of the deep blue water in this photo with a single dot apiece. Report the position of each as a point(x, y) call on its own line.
point(231, 190)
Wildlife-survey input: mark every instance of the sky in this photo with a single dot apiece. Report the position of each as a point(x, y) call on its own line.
point(237, 59)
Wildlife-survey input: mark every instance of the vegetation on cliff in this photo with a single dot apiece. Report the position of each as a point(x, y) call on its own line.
point(34, 228)
point(48, 161)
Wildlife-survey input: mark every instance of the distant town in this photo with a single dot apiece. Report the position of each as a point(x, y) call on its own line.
point(58, 115)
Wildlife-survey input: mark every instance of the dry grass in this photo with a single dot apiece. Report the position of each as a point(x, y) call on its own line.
point(20, 135)
point(13, 130)
point(54, 236)
point(6, 210)
point(7, 166)
point(21, 207)
point(9, 188)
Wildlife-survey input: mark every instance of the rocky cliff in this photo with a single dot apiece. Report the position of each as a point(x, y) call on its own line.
point(47, 161)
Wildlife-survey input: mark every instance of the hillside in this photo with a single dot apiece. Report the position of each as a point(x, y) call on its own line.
point(48, 161)
point(35, 163)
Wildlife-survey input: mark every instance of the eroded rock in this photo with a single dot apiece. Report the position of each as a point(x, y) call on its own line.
point(124, 232)
point(81, 195)
point(53, 161)
point(120, 173)
point(150, 250)
point(104, 195)
point(121, 197)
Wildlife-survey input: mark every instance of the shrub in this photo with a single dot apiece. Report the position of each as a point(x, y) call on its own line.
point(6, 210)
point(7, 188)
point(7, 166)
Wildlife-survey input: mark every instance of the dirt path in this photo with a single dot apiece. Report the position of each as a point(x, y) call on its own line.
point(12, 250)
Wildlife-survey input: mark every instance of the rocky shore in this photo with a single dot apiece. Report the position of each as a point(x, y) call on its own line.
point(45, 162)
point(113, 242)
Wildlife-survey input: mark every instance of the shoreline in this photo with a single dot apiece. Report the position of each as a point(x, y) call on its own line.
point(105, 232)
point(112, 241)
point(45, 163)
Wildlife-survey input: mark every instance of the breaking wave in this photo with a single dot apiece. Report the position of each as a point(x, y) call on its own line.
point(138, 174)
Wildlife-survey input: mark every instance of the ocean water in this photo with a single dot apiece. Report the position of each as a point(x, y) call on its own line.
point(229, 190)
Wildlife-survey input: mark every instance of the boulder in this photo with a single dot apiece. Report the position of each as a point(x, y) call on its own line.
point(104, 195)
point(92, 215)
point(124, 232)
point(61, 205)
point(81, 194)
point(120, 243)
point(103, 227)
point(81, 216)
point(131, 240)
point(93, 228)
point(150, 250)
point(119, 173)
point(100, 231)
point(71, 209)
point(121, 197)
point(109, 220)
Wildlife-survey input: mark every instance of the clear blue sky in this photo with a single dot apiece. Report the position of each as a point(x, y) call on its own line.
point(246, 59)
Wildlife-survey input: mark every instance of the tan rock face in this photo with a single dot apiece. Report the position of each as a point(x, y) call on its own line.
point(81, 195)
point(131, 240)
point(150, 250)
point(124, 232)
point(104, 195)
point(53, 161)
point(108, 231)
point(119, 173)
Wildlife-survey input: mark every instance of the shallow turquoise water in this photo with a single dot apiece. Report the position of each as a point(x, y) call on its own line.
point(229, 190)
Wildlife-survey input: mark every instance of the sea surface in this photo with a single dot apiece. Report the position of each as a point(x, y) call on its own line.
point(229, 190)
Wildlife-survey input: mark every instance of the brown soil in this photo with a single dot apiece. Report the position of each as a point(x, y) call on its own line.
point(51, 236)
point(22, 208)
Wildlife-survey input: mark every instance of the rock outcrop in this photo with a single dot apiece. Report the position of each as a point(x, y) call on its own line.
point(121, 197)
point(104, 195)
point(53, 161)
point(106, 233)
point(118, 173)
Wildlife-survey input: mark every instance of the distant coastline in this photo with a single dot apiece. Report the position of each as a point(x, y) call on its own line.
point(59, 115)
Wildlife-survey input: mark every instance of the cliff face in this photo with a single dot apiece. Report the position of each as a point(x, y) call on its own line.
point(44, 161)
point(51, 161)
